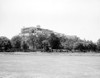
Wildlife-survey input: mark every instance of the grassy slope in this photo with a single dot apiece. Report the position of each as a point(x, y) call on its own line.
point(44, 65)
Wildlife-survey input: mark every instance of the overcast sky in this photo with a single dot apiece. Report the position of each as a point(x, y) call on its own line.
point(71, 17)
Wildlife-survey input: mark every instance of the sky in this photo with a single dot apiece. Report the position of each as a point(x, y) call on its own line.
point(71, 17)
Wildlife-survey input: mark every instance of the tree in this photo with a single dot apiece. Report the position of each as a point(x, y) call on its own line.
point(85, 46)
point(54, 41)
point(24, 46)
point(40, 39)
point(32, 42)
point(98, 45)
point(46, 45)
point(16, 43)
point(79, 46)
point(67, 42)
point(90, 46)
point(5, 44)
point(63, 40)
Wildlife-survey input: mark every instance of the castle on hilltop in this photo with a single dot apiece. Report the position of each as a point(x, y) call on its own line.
point(34, 30)
point(26, 31)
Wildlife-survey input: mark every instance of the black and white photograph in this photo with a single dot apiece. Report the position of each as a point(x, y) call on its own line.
point(49, 38)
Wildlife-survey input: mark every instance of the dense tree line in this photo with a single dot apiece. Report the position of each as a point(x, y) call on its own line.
point(50, 43)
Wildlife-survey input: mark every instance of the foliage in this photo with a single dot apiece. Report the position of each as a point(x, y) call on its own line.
point(91, 46)
point(32, 42)
point(54, 41)
point(46, 45)
point(5, 44)
point(16, 43)
point(85, 46)
point(40, 39)
point(98, 45)
point(78, 46)
point(67, 43)
point(24, 46)
point(36, 39)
